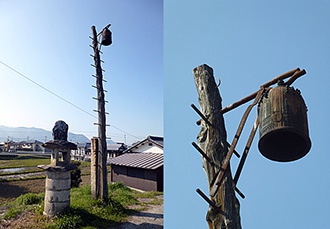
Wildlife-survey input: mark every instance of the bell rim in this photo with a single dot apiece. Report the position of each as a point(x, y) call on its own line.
point(300, 133)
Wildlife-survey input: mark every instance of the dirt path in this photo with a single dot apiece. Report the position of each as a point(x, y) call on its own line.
point(152, 218)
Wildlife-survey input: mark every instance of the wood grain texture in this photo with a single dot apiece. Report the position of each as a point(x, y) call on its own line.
point(212, 140)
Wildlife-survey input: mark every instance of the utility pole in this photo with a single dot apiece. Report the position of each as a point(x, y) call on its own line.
point(102, 143)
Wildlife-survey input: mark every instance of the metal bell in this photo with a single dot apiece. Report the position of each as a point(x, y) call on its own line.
point(106, 37)
point(283, 125)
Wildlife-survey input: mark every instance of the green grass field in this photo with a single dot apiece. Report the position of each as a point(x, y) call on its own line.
point(26, 211)
point(24, 161)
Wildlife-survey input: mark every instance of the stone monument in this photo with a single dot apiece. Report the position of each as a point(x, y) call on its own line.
point(58, 178)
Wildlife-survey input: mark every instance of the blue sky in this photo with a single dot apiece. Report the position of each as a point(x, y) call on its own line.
point(48, 41)
point(247, 43)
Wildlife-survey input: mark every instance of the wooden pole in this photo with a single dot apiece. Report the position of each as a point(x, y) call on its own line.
point(102, 157)
point(212, 139)
point(95, 168)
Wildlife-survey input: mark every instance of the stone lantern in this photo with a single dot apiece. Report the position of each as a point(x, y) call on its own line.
point(58, 178)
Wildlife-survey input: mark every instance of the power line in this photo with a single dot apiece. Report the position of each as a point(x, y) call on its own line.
point(53, 93)
point(63, 99)
point(124, 132)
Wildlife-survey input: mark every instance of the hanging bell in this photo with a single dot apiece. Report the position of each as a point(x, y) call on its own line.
point(106, 37)
point(283, 125)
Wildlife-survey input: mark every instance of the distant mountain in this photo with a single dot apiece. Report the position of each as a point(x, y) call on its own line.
point(18, 134)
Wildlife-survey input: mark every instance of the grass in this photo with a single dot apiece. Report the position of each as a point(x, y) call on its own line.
point(30, 162)
point(23, 161)
point(23, 178)
point(84, 211)
point(27, 202)
point(32, 169)
point(26, 211)
point(85, 167)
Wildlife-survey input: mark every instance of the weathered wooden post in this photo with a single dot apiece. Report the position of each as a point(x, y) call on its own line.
point(58, 179)
point(212, 141)
point(95, 187)
point(102, 184)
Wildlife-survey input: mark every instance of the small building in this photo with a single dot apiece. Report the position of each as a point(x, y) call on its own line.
point(115, 149)
point(141, 166)
point(143, 171)
point(10, 146)
point(2, 144)
point(83, 150)
point(31, 145)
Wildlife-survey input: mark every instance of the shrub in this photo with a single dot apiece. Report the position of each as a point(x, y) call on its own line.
point(29, 199)
point(75, 175)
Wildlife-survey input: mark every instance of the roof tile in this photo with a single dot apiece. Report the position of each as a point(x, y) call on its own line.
point(139, 160)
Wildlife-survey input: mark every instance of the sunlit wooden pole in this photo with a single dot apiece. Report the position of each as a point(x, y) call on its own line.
point(102, 156)
point(224, 207)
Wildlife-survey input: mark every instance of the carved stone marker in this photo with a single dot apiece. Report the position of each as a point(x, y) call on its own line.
point(58, 179)
point(60, 131)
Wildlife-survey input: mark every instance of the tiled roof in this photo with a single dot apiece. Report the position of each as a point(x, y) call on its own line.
point(159, 141)
point(139, 160)
point(116, 146)
point(84, 145)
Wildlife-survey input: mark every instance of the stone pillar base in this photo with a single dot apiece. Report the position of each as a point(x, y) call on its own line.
point(57, 195)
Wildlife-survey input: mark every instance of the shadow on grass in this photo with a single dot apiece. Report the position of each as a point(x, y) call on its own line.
point(138, 226)
point(146, 214)
point(90, 219)
point(7, 190)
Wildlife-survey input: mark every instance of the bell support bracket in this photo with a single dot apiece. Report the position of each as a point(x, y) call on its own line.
point(246, 150)
point(293, 74)
point(218, 178)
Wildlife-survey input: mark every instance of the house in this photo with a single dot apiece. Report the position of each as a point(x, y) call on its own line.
point(83, 150)
point(10, 146)
point(143, 171)
point(115, 149)
point(151, 144)
point(31, 145)
point(141, 166)
point(2, 144)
